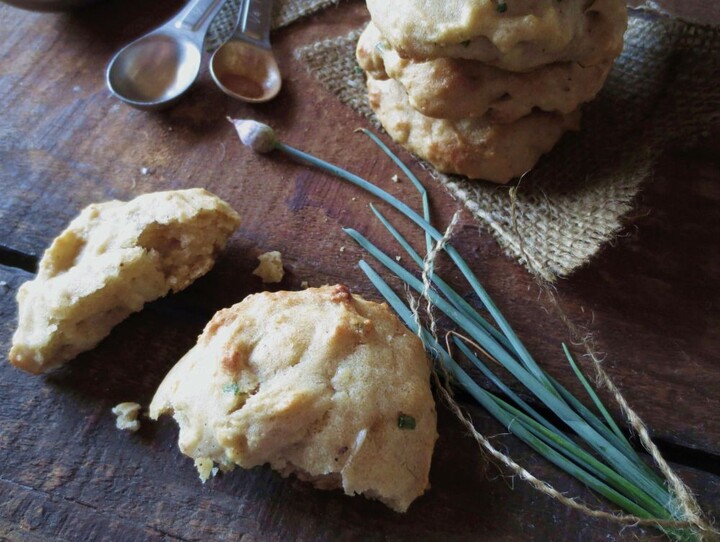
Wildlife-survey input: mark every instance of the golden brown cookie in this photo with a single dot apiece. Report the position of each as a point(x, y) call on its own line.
point(475, 147)
point(318, 383)
point(452, 88)
point(515, 35)
point(112, 259)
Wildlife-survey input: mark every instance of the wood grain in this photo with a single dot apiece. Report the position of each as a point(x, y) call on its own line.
point(650, 299)
point(66, 473)
point(67, 148)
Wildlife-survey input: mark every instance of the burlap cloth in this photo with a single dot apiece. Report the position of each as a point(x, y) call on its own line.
point(284, 12)
point(665, 88)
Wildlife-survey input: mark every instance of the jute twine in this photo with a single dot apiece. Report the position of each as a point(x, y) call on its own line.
point(686, 505)
point(563, 215)
point(665, 88)
point(284, 13)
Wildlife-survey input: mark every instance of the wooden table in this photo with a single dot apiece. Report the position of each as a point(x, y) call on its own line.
point(652, 299)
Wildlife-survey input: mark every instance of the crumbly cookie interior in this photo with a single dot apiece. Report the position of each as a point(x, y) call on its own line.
point(111, 260)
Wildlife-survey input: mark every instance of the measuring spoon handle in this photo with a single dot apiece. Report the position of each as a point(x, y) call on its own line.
point(254, 22)
point(196, 16)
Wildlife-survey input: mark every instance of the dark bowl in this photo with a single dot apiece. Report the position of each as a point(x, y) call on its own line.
point(49, 5)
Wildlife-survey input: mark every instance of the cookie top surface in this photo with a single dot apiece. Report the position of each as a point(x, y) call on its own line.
point(319, 383)
point(516, 35)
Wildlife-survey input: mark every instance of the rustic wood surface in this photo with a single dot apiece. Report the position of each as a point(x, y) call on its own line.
point(66, 473)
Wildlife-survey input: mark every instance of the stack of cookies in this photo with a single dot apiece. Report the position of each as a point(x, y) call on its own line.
point(483, 88)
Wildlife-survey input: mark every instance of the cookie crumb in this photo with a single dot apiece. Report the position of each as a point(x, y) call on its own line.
point(206, 468)
point(270, 269)
point(340, 294)
point(126, 416)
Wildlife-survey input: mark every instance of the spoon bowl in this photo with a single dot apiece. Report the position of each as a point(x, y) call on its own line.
point(155, 70)
point(246, 71)
point(244, 67)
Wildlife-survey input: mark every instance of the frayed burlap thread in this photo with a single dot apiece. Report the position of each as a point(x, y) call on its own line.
point(664, 88)
point(284, 13)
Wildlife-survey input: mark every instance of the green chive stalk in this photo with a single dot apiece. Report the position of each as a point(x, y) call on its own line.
point(589, 446)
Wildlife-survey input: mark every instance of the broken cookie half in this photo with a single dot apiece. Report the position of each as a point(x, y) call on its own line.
point(111, 260)
point(320, 383)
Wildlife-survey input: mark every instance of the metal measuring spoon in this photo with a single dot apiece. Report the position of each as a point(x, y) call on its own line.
point(244, 66)
point(154, 70)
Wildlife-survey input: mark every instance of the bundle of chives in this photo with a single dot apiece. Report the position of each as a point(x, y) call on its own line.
point(608, 463)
